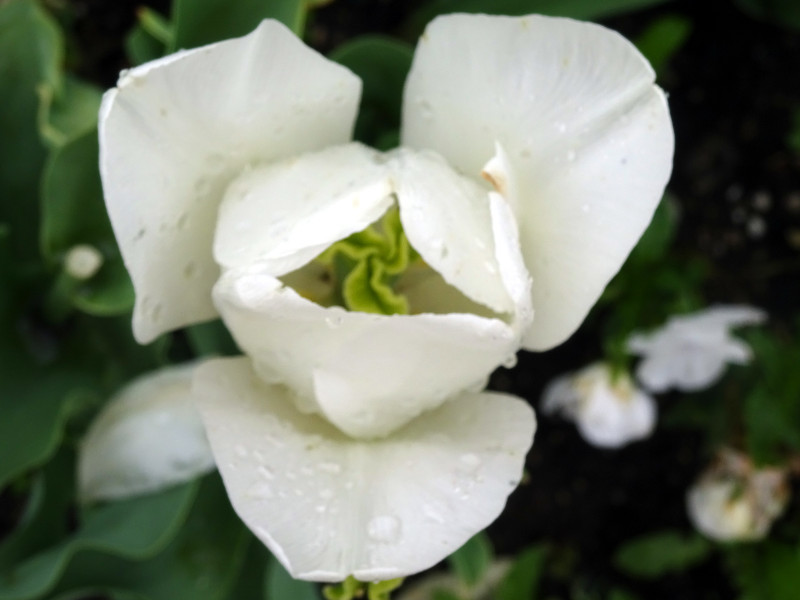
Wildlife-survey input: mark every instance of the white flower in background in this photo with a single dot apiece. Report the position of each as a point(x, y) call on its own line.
point(230, 167)
point(147, 437)
point(609, 411)
point(690, 352)
point(735, 501)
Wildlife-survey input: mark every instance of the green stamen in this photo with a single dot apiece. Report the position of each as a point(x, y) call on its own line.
point(367, 264)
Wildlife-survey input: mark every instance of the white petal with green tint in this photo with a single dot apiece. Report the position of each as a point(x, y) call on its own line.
point(284, 214)
point(329, 506)
point(587, 140)
point(367, 373)
point(147, 437)
point(177, 130)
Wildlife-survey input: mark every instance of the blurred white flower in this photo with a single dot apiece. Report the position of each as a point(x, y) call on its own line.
point(230, 168)
point(690, 352)
point(609, 411)
point(735, 501)
point(147, 437)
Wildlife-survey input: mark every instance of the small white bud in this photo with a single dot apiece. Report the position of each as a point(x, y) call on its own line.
point(83, 261)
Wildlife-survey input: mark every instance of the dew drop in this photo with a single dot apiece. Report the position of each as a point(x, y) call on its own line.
point(330, 467)
point(384, 528)
point(260, 491)
point(425, 110)
point(265, 472)
point(155, 312)
point(240, 450)
point(571, 155)
point(470, 462)
point(490, 266)
point(334, 322)
point(326, 494)
point(561, 127)
point(432, 514)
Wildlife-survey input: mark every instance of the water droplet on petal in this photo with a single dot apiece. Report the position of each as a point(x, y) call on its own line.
point(330, 467)
point(384, 528)
point(470, 462)
point(260, 491)
point(432, 514)
point(241, 451)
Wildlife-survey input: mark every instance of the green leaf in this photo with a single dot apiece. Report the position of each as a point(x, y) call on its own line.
point(445, 595)
point(138, 528)
point(68, 111)
point(212, 339)
point(656, 554)
point(200, 22)
point(156, 25)
point(35, 410)
point(658, 236)
point(785, 13)
point(587, 10)
point(471, 561)
point(662, 39)
point(30, 55)
point(279, 584)
point(141, 47)
point(767, 571)
point(382, 63)
point(73, 212)
point(522, 580)
point(44, 520)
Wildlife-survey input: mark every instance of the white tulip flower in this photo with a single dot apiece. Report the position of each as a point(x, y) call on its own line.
point(609, 411)
point(690, 352)
point(352, 442)
point(735, 501)
point(147, 437)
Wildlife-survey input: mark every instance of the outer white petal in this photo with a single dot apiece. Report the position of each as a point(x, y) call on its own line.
point(587, 140)
point(284, 214)
point(149, 436)
point(329, 506)
point(177, 130)
point(368, 374)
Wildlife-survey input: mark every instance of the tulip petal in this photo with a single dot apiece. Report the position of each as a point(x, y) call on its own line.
point(148, 437)
point(284, 214)
point(176, 131)
point(329, 506)
point(446, 218)
point(587, 139)
point(367, 373)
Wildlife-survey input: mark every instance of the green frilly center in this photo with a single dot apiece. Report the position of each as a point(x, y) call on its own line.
point(366, 266)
